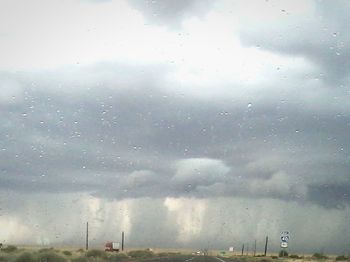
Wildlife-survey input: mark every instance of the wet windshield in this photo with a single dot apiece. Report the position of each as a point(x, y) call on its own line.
point(206, 126)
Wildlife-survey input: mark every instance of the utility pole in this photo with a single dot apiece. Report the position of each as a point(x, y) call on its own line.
point(267, 240)
point(87, 236)
point(254, 247)
point(242, 249)
point(123, 241)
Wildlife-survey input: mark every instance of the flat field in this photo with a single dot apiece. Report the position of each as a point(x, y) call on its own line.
point(33, 254)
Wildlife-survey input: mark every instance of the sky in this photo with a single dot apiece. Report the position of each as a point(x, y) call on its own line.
point(185, 124)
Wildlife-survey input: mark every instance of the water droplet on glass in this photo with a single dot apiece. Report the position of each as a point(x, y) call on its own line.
point(249, 105)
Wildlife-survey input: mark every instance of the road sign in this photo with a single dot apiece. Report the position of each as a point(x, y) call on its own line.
point(284, 244)
point(284, 238)
point(285, 233)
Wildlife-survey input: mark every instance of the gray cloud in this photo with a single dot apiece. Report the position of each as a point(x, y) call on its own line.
point(144, 142)
point(321, 38)
point(330, 195)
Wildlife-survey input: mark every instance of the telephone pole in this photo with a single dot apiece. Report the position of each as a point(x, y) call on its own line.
point(267, 240)
point(123, 241)
point(254, 247)
point(87, 236)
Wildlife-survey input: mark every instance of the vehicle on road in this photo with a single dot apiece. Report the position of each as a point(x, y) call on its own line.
point(112, 246)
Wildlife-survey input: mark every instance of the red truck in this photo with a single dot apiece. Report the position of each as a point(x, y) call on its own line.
point(112, 246)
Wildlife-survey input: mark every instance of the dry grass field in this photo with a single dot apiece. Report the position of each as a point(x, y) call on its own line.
point(34, 254)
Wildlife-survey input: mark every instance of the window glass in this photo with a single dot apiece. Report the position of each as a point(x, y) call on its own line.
point(197, 125)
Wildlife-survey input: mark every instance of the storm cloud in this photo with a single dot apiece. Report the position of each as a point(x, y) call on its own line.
point(321, 37)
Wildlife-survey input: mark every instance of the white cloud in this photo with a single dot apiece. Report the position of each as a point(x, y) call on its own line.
point(206, 57)
point(35, 35)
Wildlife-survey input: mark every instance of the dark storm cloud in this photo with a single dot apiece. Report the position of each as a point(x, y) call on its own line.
point(170, 12)
point(330, 195)
point(322, 38)
point(143, 141)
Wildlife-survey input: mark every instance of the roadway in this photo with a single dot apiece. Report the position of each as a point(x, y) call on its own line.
point(209, 259)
